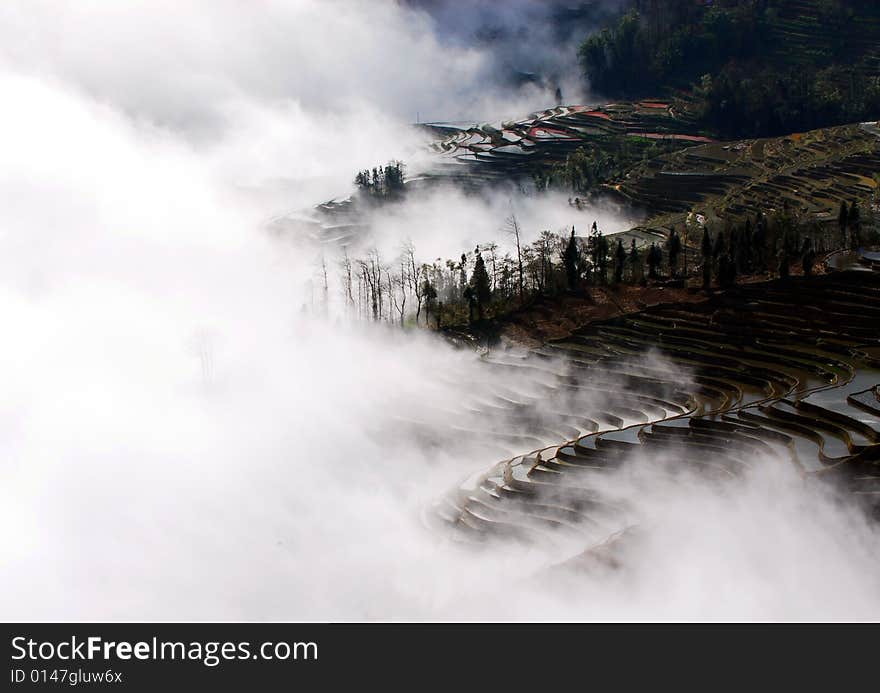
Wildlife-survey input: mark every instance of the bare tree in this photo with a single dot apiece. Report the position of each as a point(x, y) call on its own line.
point(325, 284)
point(397, 291)
point(345, 272)
point(414, 277)
point(362, 294)
point(512, 227)
point(371, 273)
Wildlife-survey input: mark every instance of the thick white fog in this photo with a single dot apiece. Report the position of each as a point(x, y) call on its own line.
point(178, 440)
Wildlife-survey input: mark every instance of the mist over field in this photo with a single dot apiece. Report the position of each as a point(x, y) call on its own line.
point(179, 439)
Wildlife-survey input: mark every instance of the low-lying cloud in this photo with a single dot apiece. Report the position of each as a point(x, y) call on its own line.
point(178, 440)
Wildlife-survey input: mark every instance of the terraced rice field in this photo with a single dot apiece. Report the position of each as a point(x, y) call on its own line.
point(786, 371)
point(472, 157)
point(804, 32)
point(811, 172)
point(802, 35)
point(484, 152)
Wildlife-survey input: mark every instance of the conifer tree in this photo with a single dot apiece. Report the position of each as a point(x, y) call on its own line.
point(470, 296)
point(655, 258)
point(571, 259)
point(480, 284)
point(462, 272)
point(430, 294)
point(634, 261)
point(673, 249)
point(620, 260)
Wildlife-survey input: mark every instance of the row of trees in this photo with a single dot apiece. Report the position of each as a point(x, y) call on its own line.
point(473, 286)
point(382, 182)
point(774, 244)
point(486, 282)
